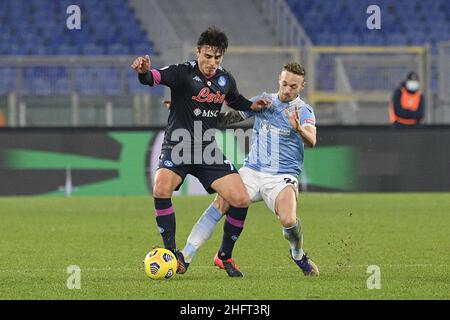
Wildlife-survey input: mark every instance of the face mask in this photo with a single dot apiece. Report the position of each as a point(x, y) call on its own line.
point(412, 85)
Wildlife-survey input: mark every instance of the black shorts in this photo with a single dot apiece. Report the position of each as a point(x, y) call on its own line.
point(205, 173)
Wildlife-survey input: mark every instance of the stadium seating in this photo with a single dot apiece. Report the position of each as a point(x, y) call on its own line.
point(403, 22)
point(38, 27)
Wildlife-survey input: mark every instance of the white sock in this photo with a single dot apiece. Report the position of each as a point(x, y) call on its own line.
point(201, 232)
point(295, 237)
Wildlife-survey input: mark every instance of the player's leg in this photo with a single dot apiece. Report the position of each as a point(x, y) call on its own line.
point(232, 189)
point(204, 228)
point(224, 179)
point(286, 209)
point(166, 181)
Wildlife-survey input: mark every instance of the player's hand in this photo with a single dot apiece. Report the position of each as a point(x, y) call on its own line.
point(294, 119)
point(259, 104)
point(141, 64)
point(167, 103)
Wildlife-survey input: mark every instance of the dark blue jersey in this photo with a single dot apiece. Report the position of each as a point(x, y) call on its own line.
point(196, 100)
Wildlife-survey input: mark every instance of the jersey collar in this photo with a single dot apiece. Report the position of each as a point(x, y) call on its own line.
point(294, 102)
point(204, 76)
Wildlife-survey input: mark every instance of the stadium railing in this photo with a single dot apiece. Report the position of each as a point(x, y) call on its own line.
point(285, 23)
point(346, 85)
point(74, 91)
point(353, 85)
point(444, 73)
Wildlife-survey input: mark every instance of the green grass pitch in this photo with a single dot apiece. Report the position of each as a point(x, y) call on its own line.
point(406, 235)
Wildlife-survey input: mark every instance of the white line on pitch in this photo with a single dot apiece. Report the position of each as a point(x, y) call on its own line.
point(90, 269)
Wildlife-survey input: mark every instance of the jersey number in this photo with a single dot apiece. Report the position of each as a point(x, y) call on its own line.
point(289, 180)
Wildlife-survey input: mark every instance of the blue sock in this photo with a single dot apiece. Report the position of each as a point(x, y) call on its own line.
point(201, 232)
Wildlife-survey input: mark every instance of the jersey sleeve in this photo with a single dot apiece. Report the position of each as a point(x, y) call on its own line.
point(249, 113)
point(233, 93)
point(307, 117)
point(168, 76)
point(234, 99)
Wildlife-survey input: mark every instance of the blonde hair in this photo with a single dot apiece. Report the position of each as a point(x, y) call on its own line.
point(295, 68)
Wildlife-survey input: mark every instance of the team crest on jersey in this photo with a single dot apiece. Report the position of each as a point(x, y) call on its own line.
point(222, 81)
point(168, 163)
point(265, 126)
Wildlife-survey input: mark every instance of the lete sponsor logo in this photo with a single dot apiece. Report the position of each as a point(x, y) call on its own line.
point(205, 95)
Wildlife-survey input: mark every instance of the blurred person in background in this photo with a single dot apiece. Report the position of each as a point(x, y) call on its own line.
point(406, 108)
point(2, 120)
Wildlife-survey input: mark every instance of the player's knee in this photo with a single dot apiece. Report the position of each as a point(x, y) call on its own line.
point(288, 220)
point(241, 201)
point(162, 190)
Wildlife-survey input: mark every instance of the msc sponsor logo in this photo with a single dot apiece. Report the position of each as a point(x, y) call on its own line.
point(206, 113)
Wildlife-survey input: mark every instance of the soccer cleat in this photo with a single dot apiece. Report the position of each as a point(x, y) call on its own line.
point(229, 266)
point(308, 267)
point(182, 265)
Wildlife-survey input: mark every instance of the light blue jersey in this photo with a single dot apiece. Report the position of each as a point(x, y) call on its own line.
point(276, 147)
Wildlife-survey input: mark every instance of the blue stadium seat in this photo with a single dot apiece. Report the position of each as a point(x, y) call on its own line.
point(67, 50)
point(118, 49)
point(374, 39)
point(141, 48)
point(42, 22)
point(92, 49)
point(401, 20)
point(7, 79)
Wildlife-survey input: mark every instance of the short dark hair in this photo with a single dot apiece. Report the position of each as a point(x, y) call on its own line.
point(295, 68)
point(412, 76)
point(213, 37)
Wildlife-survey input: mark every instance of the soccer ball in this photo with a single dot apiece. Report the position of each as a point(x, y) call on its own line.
point(160, 264)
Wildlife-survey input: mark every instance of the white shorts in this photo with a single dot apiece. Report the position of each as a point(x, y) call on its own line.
point(266, 186)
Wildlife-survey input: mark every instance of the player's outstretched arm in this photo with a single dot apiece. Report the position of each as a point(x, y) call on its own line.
point(243, 104)
point(228, 118)
point(259, 104)
point(308, 133)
